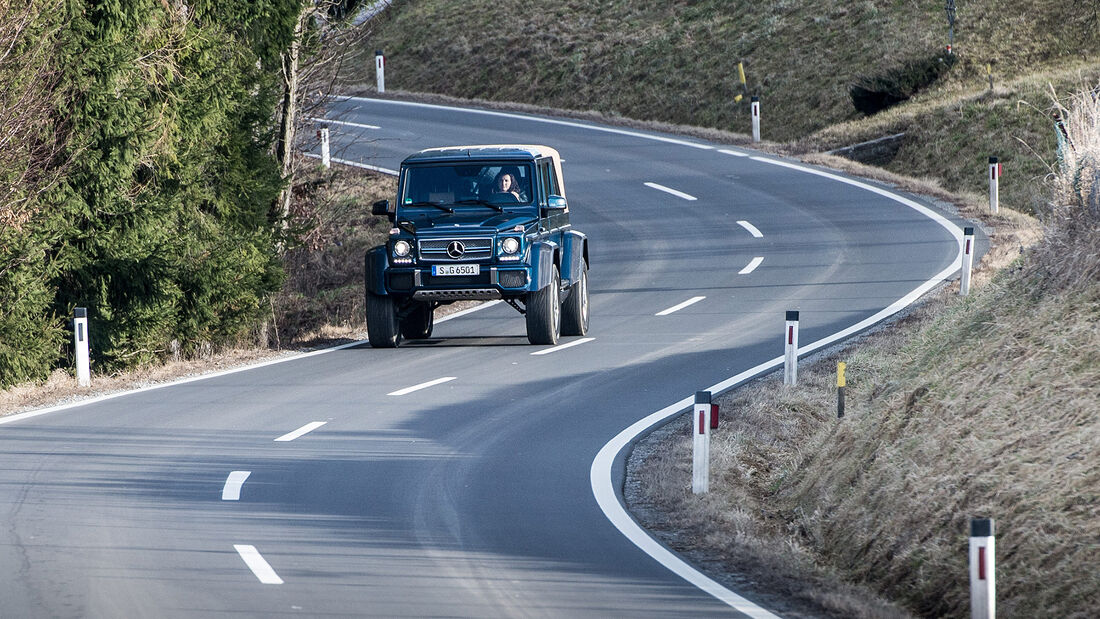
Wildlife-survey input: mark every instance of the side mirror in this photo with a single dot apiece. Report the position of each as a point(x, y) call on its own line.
point(556, 203)
point(381, 207)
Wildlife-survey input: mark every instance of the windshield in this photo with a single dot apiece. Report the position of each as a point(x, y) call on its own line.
point(467, 186)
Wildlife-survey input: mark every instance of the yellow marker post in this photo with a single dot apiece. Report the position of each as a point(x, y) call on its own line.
point(840, 384)
point(741, 75)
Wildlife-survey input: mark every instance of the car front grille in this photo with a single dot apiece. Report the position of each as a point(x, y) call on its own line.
point(473, 249)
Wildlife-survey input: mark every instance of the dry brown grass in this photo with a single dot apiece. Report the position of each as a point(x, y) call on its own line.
point(983, 406)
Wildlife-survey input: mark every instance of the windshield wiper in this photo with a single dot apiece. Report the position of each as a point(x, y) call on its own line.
point(482, 203)
point(438, 206)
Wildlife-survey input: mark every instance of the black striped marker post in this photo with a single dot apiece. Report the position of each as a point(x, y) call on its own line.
point(790, 350)
point(700, 452)
point(840, 385)
point(380, 70)
point(982, 569)
point(968, 261)
point(994, 185)
point(755, 118)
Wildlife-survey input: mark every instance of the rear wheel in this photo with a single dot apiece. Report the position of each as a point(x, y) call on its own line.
point(382, 325)
point(544, 312)
point(418, 324)
point(574, 312)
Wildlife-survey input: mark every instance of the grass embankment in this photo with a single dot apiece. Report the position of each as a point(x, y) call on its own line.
point(677, 62)
point(983, 406)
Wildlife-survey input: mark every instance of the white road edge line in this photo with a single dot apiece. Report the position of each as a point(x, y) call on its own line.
point(309, 427)
point(536, 119)
point(430, 383)
point(354, 164)
point(751, 266)
point(244, 368)
point(751, 228)
point(344, 122)
point(257, 564)
point(678, 194)
point(680, 306)
point(232, 489)
point(600, 475)
point(725, 151)
point(547, 351)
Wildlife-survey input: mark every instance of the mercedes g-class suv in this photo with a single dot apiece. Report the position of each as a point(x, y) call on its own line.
point(478, 222)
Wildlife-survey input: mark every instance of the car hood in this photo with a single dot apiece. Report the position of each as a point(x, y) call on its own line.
point(448, 223)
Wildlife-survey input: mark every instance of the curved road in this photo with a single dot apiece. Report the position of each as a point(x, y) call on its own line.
point(455, 476)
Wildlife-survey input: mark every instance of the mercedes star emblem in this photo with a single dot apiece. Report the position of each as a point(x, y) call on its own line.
point(455, 249)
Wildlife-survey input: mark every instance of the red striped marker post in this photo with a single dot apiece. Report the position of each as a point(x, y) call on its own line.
point(982, 569)
point(790, 342)
point(994, 185)
point(380, 70)
point(326, 159)
point(80, 346)
point(968, 261)
point(700, 452)
point(755, 119)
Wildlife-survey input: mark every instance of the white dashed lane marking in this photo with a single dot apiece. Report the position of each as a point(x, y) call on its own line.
point(547, 351)
point(751, 266)
point(678, 307)
point(430, 383)
point(669, 190)
point(257, 564)
point(309, 427)
point(232, 489)
point(751, 228)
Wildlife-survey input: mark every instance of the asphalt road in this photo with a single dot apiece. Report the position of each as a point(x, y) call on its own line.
point(471, 496)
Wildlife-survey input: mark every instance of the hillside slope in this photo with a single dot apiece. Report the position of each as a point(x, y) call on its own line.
point(677, 62)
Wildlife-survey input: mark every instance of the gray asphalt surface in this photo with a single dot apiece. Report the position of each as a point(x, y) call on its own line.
point(470, 497)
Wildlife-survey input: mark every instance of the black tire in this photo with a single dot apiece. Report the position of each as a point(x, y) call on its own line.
point(418, 324)
point(544, 312)
point(382, 327)
point(574, 312)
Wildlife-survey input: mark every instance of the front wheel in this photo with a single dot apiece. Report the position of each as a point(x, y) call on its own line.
point(382, 325)
point(418, 324)
point(544, 312)
point(574, 312)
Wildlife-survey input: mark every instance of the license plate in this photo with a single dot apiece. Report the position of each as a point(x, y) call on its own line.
point(456, 269)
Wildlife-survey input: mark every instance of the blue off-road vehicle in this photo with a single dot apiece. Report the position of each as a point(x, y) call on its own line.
point(478, 222)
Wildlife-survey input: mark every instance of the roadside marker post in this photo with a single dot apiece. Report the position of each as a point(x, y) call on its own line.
point(700, 452)
point(744, 86)
point(968, 261)
point(790, 354)
point(380, 70)
point(755, 119)
point(983, 582)
point(326, 158)
point(841, 383)
point(80, 346)
point(995, 170)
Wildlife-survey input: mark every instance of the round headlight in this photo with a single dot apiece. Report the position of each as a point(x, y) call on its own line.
point(401, 248)
point(509, 245)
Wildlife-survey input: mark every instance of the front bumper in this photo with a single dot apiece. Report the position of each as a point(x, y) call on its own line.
point(492, 283)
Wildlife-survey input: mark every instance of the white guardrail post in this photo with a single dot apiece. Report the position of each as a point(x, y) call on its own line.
point(326, 157)
point(968, 261)
point(983, 582)
point(790, 351)
point(700, 451)
point(380, 70)
point(994, 185)
point(755, 118)
point(80, 346)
